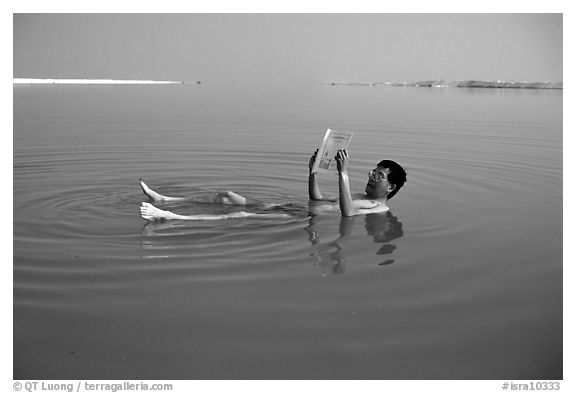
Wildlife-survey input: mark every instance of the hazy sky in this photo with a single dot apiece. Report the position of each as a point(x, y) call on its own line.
point(289, 47)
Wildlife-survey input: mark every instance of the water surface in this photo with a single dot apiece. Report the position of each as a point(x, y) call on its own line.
point(461, 280)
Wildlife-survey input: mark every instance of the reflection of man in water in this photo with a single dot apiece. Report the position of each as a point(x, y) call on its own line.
point(384, 182)
point(383, 227)
point(384, 230)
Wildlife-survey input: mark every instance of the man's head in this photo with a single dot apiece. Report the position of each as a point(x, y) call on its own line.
point(385, 180)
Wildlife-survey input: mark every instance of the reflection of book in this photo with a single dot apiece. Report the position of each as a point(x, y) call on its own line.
point(333, 141)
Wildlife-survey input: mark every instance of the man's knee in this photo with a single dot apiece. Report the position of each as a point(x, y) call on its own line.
point(234, 199)
point(230, 198)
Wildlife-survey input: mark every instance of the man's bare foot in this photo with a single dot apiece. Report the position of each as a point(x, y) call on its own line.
point(150, 212)
point(156, 197)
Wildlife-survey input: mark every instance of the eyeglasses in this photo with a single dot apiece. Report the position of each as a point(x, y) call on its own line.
point(377, 176)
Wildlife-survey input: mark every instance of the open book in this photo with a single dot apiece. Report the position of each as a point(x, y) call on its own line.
point(333, 141)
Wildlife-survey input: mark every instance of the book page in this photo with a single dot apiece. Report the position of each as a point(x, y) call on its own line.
point(333, 141)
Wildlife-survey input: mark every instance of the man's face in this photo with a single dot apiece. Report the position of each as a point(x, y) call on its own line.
point(378, 185)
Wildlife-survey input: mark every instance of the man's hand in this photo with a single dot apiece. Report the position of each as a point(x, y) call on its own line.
point(342, 161)
point(312, 159)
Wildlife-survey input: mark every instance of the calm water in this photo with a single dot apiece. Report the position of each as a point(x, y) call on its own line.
point(463, 280)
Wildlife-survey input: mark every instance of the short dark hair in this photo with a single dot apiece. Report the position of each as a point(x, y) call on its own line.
point(397, 175)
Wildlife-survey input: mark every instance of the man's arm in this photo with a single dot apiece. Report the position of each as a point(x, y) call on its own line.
point(313, 188)
point(346, 206)
point(314, 192)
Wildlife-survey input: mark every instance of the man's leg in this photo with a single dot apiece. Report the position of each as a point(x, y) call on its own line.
point(151, 213)
point(226, 197)
point(156, 197)
point(229, 198)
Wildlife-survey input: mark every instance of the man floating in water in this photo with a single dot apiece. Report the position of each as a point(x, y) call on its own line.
point(384, 182)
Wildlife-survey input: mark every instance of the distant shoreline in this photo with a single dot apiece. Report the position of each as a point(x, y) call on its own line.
point(97, 81)
point(460, 83)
